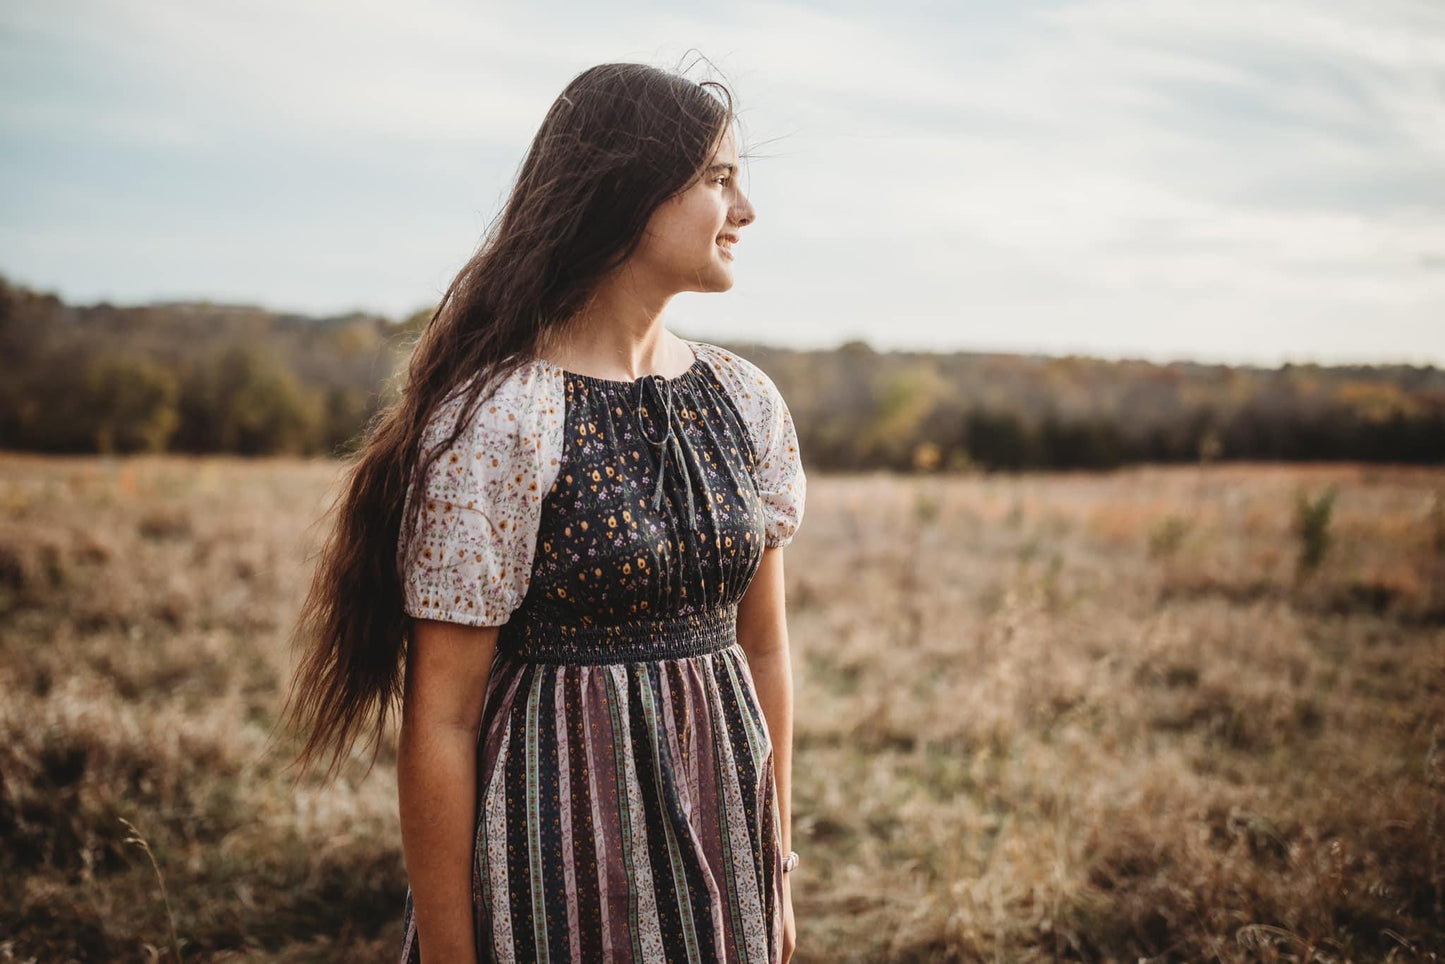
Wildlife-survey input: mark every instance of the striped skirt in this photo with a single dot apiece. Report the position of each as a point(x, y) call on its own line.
point(626, 812)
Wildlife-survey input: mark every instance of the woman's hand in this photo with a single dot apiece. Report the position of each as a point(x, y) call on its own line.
point(790, 927)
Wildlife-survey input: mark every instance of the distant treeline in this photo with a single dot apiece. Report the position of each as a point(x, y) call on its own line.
point(209, 378)
point(189, 377)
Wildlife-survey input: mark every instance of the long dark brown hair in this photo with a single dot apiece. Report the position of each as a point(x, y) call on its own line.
point(619, 141)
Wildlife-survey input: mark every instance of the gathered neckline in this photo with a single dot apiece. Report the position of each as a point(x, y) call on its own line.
point(697, 364)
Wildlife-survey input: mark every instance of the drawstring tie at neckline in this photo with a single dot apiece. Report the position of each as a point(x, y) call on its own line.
point(669, 443)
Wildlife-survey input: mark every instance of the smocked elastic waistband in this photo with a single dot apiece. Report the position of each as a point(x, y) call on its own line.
point(536, 639)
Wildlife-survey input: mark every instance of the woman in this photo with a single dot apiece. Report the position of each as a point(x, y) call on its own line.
point(596, 714)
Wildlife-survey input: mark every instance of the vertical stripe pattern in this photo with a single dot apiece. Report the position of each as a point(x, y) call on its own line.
point(609, 831)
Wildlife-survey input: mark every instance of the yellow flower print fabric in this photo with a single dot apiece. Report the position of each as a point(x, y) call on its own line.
point(472, 556)
point(469, 559)
point(782, 484)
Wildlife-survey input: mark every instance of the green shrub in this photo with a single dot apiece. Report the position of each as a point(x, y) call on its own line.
point(1312, 526)
point(1166, 535)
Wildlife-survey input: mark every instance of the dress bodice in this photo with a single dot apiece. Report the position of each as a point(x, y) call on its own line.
point(584, 512)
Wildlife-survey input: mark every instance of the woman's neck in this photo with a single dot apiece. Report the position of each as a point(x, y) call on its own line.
point(619, 334)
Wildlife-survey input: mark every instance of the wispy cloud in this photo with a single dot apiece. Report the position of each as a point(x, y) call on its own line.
point(1145, 177)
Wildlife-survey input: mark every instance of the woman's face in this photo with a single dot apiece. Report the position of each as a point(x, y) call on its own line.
point(687, 245)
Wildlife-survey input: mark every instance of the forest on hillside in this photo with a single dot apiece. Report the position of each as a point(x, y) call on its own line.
point(205, 378)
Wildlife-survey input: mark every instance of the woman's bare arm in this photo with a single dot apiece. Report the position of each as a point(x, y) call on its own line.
point(446, 681)
point(763, 635)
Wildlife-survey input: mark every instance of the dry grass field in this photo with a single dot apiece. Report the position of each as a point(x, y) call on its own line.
point(1077, 717)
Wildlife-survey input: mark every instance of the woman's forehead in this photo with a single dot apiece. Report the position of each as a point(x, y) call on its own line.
point(726, 150)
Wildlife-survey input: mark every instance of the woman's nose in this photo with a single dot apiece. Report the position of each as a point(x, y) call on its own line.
point(743, 212)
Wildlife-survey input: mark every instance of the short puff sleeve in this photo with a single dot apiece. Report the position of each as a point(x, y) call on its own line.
point(779, 471)
point(468, 557)
point(778, 463)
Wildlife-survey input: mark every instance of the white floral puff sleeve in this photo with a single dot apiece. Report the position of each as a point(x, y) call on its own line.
point(778, 468)
point(469, 557)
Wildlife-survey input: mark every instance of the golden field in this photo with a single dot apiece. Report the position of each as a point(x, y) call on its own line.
point(1039, 717)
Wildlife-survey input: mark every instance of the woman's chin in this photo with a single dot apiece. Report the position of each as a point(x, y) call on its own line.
point(713, 281)
point(723, 278)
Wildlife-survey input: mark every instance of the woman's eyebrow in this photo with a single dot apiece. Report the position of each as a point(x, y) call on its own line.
point(730, 168)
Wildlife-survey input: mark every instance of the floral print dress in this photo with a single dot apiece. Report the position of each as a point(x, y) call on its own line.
point(627, 808)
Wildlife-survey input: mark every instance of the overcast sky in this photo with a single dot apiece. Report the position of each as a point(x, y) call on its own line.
point(1225, 180)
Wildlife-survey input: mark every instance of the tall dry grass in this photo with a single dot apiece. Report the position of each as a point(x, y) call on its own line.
point(1093, 717)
